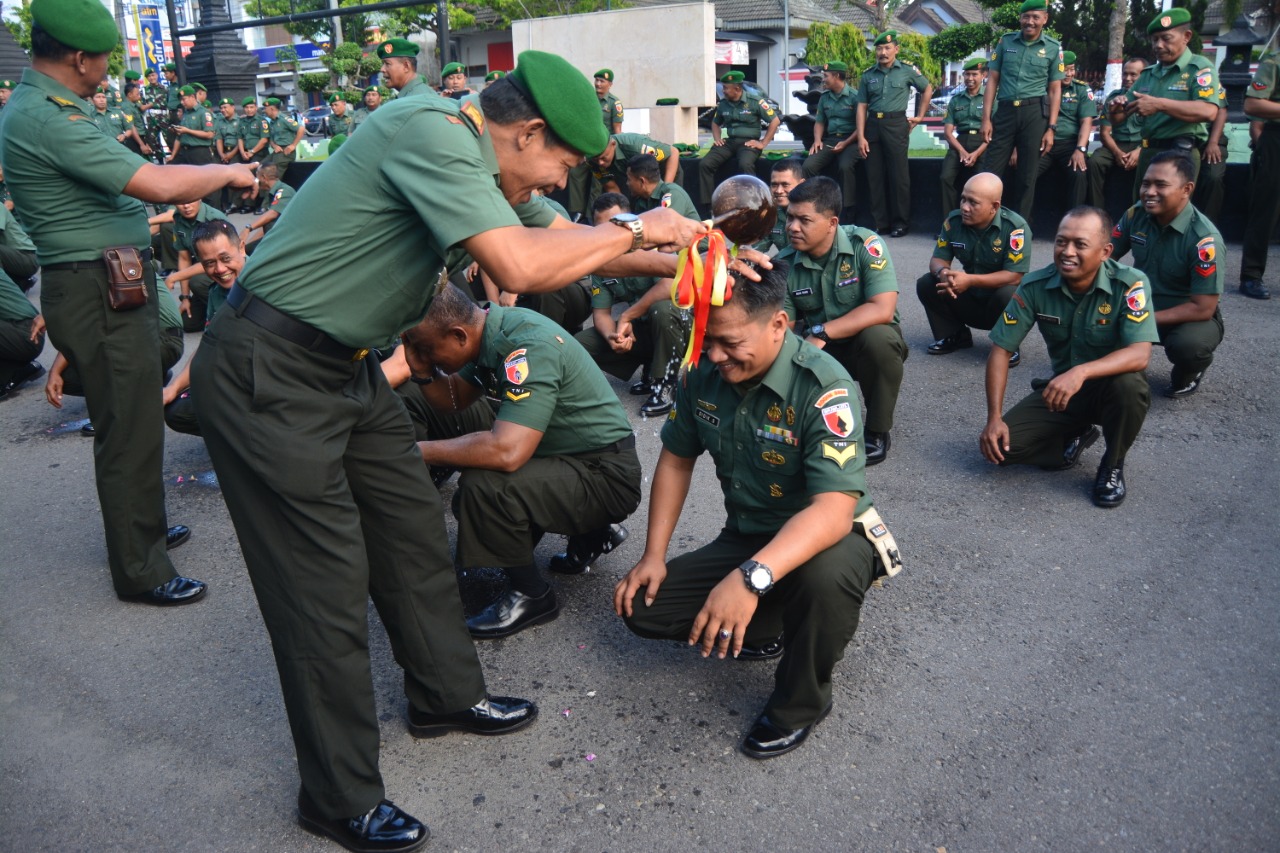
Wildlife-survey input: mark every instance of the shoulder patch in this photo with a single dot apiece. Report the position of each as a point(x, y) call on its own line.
point(472, 112)
point(516, 367)
point(833, 394)
point(1135, 299)
point(1016, 240)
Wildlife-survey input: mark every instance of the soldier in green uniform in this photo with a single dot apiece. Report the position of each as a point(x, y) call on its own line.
point(843, 293)
point(112, 93)
point(993, 246)
point(649, 334)
point(1098, 327)
point(21, 338)
point(1179, 249)
point(582, 185)
point(284, 135)
point(372, 100)
point(1176, 98)
point(735, 133)
point(173, 93)
point(252, 148)
point(559, 458)
point(835, 132)
point(17, 252)
point(78, 198)
point(1121, 143)
point(453, 81)
point(785, 176)
point(194, 288)
point(135, 119)
point(1262, 104)
point(1211, 183)
point(884, 131)
point(375, 251)
point(6, 89)
point(492, 76)
point(279, 194)
point(193, 144)
point(109, 121)
point(1025, 80)
point(611, 166)
point(781, 422)
point(226, 132)
point(962, 131)
point(610, 105)
point(1070, 151)
point(400, 67)
point(339, 122)
point(648, 190)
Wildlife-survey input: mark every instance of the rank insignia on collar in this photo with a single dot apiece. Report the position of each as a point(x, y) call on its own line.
point(775, 491)
point(839, 452)
point(773, 457)
point(791, 416)
point(1104, 308)
point(774, 414)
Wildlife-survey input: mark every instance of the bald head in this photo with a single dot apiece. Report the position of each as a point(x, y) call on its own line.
point(980, 201)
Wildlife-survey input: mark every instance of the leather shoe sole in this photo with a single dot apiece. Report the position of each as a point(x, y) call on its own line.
point(177, 535)
point(1183, 386)
point(765, 740)
point(176, 591)
point(512, 613)
point(580, 555)
point(385, 829)
point(494, 715)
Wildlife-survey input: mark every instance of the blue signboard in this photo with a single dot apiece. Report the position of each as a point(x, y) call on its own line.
point(150, 40)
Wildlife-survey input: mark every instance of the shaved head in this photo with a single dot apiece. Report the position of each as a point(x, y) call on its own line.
point(986, 185)
point(980, 201)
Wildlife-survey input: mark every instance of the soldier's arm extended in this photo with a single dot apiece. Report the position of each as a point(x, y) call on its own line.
point(178, 184)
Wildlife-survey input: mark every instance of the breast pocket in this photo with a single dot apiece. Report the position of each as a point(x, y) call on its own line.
point(776, 459)
point(808, 301)
point(1099, 334)
point(848, 292)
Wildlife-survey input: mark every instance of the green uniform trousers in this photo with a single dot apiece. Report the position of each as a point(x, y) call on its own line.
point(661, 336)
point(569, 307)
point(502, 516)
point(333, 506)
point(1144, 160)
point(282, 162)
point(1264, 203)
point(955, 175)
point(17, 350)
point(171, 347)
point(1116, 403)
point(720, 154)
point(117, 356)
point(815, 164)
point(201, 287)
point(816, 608)
point(583, 188)
point(1075, 184)
point(1211, 186)
point(888, 178)
point(977, 307)
point(874, 358)
point(1101, 162)
point(19, 265)
point(180, 415)
point(1018, 129)
point(1190, 346)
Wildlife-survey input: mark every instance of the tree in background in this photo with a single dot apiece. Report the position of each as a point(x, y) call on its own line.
point(20, 28)
point(838, 43)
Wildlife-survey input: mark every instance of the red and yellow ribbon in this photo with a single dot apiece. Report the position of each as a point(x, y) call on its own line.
point(699, 284)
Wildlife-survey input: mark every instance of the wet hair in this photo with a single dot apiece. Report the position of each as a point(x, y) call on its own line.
point(269, 169)
point(1180, 162)
point(822, 192)
point(452, 307)
point(207, 232)
point(608, 200)
point(764, 297)
point(790, 164)
point(1089, 210)
point(503, 103)
point(645, 167)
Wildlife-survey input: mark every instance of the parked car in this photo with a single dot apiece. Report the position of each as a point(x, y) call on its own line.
point(938, 106)
point(748, 87)
point(317, 119)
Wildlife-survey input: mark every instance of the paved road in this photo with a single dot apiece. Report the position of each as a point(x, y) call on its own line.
point(1043, 676)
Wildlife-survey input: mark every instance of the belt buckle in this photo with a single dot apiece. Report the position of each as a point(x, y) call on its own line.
point(1017, 103)
point(879, 115)
point(360, 354)
point(1145, 144)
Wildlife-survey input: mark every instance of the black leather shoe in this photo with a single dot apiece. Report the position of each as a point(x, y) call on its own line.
point(641, 388)
point(765, 740)
point(659, 402)
point(960, 340)
point(1108, 488)
point(584, 550)
point(877, 444)
point(385, 829)
point(768, 651)
point(441, 475)
point(1015, 358)
point(24, 375)
point(494, 715)
point(177, 591)
point(512, 613)
point(177, 534)
point(1076, 445)
point(88, 429)
point(1183, 384)
point(1254, 289)
point(899, 232)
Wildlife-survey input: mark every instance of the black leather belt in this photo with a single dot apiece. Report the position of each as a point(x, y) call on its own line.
point(279, 323)
point(898, 114)
point(1183, 143)
point(173, 332)
point(144, 254)
point(618, 446)
point(1034, 100)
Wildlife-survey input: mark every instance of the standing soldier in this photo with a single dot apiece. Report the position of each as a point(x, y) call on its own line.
point(610, 105)
point(1213, 158)
point(254, 130)
point(193, 143)
point(835, 133)
point(1121, 143)
point(153, 93)
point(109, 121)
point(6, 89)
point(739, 115)
point(1262, 104)
point(284, 136)
point(400, 67)
point(962, 131)
point(1176, 98)
point(372, 100)
point(1070, 149)
point(1026, 80)
point(882, 119)
point(226, 142)
point(453, 80)
point(339, 123)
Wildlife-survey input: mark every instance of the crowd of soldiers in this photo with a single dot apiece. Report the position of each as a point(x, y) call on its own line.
point(335, 407)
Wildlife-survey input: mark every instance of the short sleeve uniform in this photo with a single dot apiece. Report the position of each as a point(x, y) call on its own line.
point(1127, 132)
point(1005, 244)
point(610, 112)
point(838, 113)
point(888, 90)
point(228, 130)
point(741, 119)
point(857, 268)
point(667, 195)
point(1181, 259)
point(1026, 70)
point(197, 119)
point(183, 228)
point(605, 292)
point(964, 112)
point(1077, 105)
point(254, 129)
point(1189, 78)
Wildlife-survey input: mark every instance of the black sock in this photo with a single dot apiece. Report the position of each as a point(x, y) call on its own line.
point(527, 580)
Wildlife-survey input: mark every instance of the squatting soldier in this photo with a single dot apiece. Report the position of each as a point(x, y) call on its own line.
point(1121, 143)
point(611, 165)
point(962, 131)
point(1262, 104)
point(649, 191)
point(835, 131)
point(739, 116)
point(786, 175)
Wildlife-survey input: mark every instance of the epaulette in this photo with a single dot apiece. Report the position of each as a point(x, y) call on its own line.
point(1043, 273)
point(63, 102)
point(826, 370)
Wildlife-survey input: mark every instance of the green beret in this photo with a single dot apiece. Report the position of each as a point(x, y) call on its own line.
point(667, 102)
point(199, 86)
point(1033, 6)
point(494, 75)
point(835, 66)
point(733, 77)
point(271, 102)
point(7, 84)
point(247, 101)
point(976, 64)
point(186, 90)
point(335, 97)
point(886, 37)
point(1167, 20)
point(397, 47)
point(1068, 57)
point(336, 142)
point(101, 90)
point(605, 74)
point(453, 68)
point(79, 24)
point(373, 89)
point(564, 97)
point(132, 75)
point(171, 66)
point(225, 101)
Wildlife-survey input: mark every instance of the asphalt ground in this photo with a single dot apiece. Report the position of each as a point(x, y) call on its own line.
point(1044, 675)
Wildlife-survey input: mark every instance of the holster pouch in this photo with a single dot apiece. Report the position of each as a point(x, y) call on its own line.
point(872, 526)
point(126, 284)
point(1044, 105)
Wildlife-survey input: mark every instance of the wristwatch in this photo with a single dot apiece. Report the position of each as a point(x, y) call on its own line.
point(633, 222)
point(1083, 149)
point(1054, 128)
point(758, 576)
point(819, 331)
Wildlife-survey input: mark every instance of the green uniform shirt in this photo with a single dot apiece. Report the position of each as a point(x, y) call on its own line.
point(838, 114)
point(1180, 259)
point(228, 130)
point(167, 305)
point(630, 145)
point(281, 195)
point(778, 236)
point(283, 130)
point(885, 90)
point(183, 228)
point(1266, 82)
point(66, 176)
point(546, 381)
point(416, 86)
point(1189, 78)
point(741, 119)
point(172, 97)
point(1005, 244)
point(12, 233)
point(1026, 70)
point(133, 117)
point(857, 268)
point(14, 305)
point(111, 122)
point(611, 112)
point(360, 117)
point(1077, 105)
point(1128, 131)
point(196, 119)
point(606, 291)
point(339, 124)
point(667, 195)
point(253, 129)
point(113, 98)
point(964, 111)
point(1113, 314)
point(371, 273)
point(797, 433)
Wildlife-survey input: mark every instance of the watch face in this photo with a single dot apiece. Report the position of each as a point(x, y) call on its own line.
point(760, 578)
point(625, 217)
